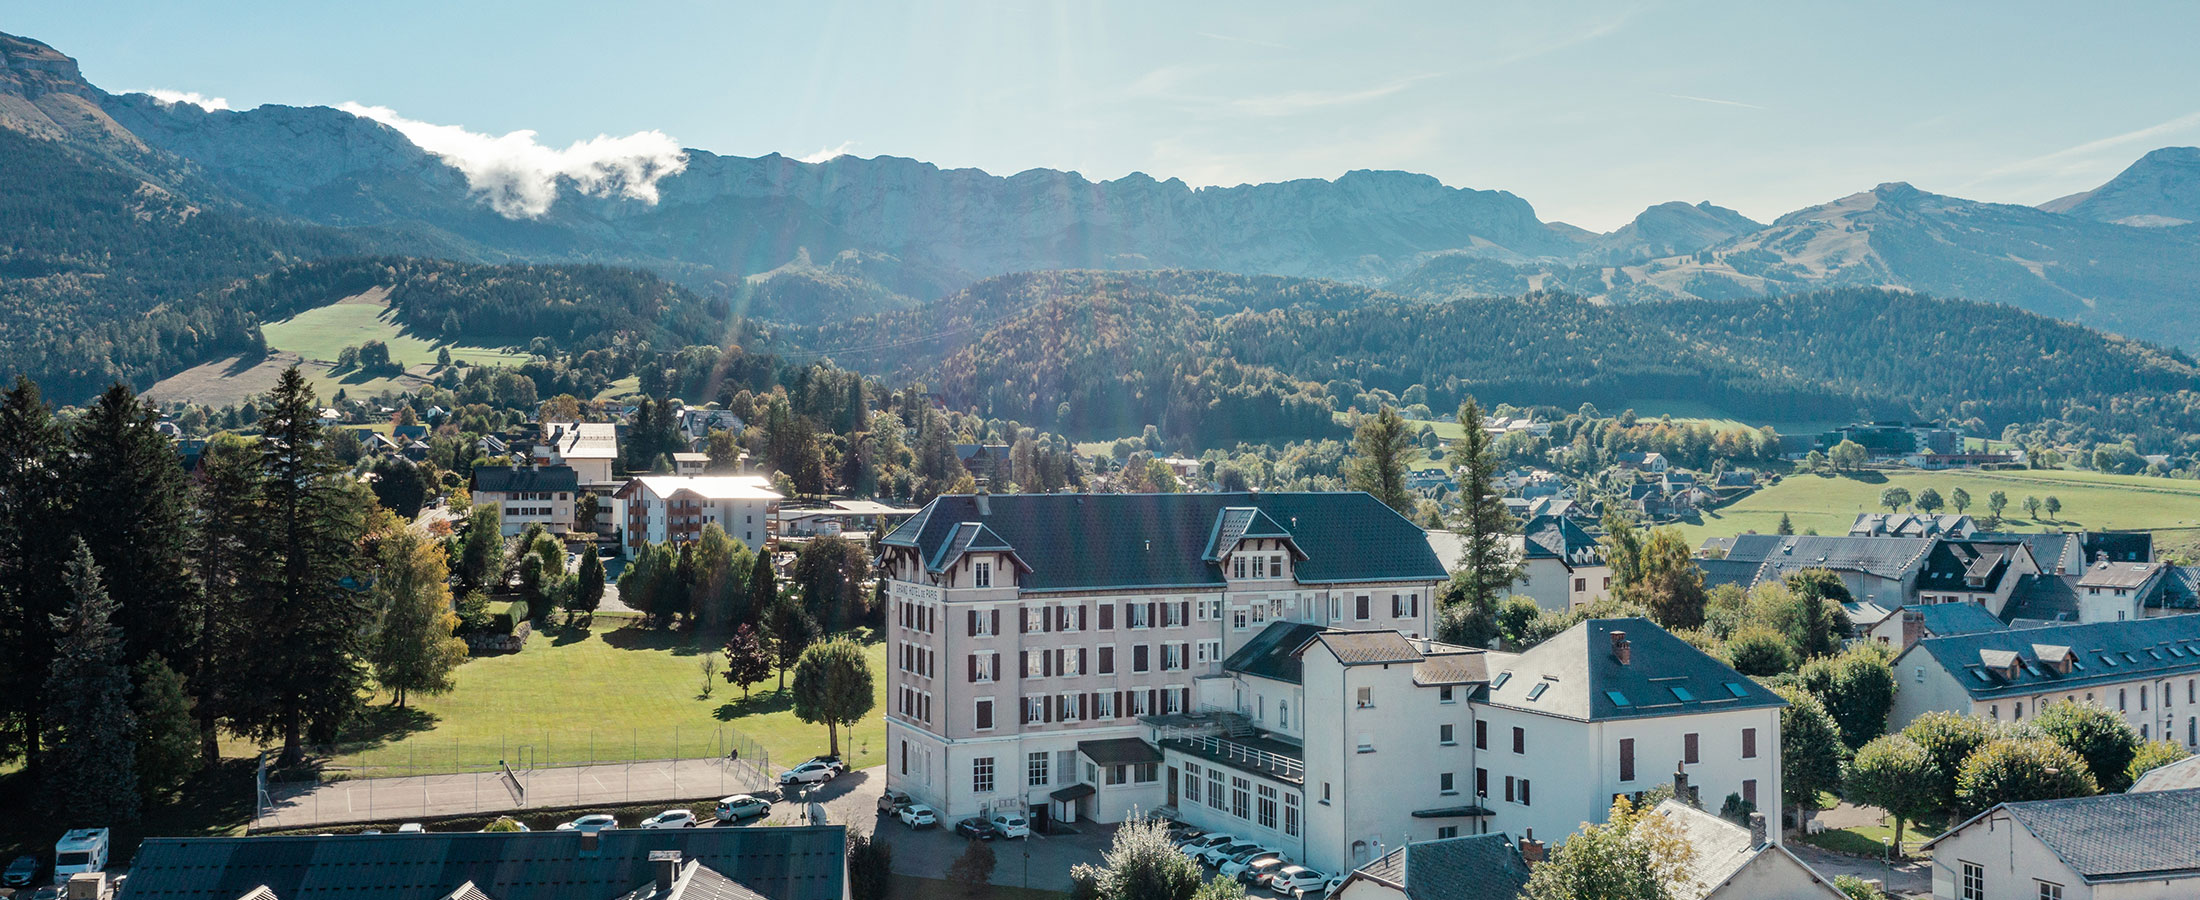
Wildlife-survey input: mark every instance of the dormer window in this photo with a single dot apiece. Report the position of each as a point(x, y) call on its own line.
point(982, 575)
point(1237, 567)
point(1275, 564)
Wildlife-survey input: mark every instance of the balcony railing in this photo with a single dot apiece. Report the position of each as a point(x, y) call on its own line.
point(1225, 749)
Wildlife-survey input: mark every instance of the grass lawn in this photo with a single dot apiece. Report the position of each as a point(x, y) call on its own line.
point(1872, 840)
point(322, 333)
point(615, 691)
point(631, 384)
point(2090, 500)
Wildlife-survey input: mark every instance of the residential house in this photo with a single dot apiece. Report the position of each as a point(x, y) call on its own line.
point(1880, 573)
point(1911, 624)
point(1563, 564)
point(2133, 846)
point(2114, 591)
point(655, 509)
point(690, 463)
point(2118, 546)
point(2146, 670)
point(1913, 525)
point(989, 461)
point(1469, 867)
point(697, 424)
point(793, 863)
point(2176, 776)
point(528, 495)
point(1431, 482)
point(589, 447)
point(1652, 461)
point(1981, 573)
point(1738, 862)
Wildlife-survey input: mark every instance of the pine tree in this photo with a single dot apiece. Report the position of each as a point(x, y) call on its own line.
point(1488, 566)
point(588, 593)
point(310, 622)
point(1378, 463)
point(1786, 527)
point(415, 649)
point(230, 538)
point(33, 497)
point(91, 772)
point(167, 737)
point(133, 509)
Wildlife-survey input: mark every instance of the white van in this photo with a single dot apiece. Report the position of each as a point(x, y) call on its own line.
point(81, 850)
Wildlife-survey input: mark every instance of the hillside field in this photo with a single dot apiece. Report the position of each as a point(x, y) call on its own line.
point(323, 332)
point(2090, 500)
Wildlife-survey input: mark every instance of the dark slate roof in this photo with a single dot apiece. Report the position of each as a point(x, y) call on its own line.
point(1471, 667)
point(2180, 589)
point(2047, 546)
point(1367, 648)
point(2107, 652)
point(2119, 546)
point(965, 538)
point(1145, 541)
point(2115, 837)
point(696, 882)
point(797, 863)
point(1739, 572)
point(2042, 598)
point(1557, 537)
point(509, 479)
point(1951, 565)
point(1907, 524)
point(1583, 679)
point(1237, 523)
point(1274, 652)
point(1119, 751)
point(1474, 867)
point(1956, 618)
point(1886, 557)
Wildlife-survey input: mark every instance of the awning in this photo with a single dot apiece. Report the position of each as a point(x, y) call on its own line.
point(1453, 812)
point(1119, 751)
point(1073, 792)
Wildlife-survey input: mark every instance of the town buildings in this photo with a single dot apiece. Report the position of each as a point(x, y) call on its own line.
point(2147, 670)
point(656, 509)
point(2132, 846)
point(588, 447)
point(528, 495)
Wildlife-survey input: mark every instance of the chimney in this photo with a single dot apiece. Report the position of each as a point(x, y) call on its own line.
point(666, 863)
point(1531, 850)
point(1620, 650)
point(984, 500)
point(1913, 628)
point(1680, 786)
point(1756, 830)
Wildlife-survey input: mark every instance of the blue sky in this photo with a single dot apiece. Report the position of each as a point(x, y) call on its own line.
point(1590, 111)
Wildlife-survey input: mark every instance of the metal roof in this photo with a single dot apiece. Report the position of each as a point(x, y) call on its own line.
point(2143, 836)
point(1577, 675)
point(2107, 653)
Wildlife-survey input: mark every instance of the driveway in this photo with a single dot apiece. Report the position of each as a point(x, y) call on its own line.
point(1910, 879)
point(1042, 861)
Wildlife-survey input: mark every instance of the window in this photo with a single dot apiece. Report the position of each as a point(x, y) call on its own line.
point(1481, 735)
point(1359, 604)
point(1749, 792)
point(1749, 743)
point(1237, 619)
point(1443, 735)
point(984, 717)
point(1140, 658)
point(1581, 585)
point(1275, 564)
point(1367, 742)
point(981, 775)
point(1241, 798)
point(1214, 787)
point(2050, 891)
point(1107, 658)
point(1626, 759)
point(1266, 811)
point(1191, 782)
point(1367, 697)
point(1524, 801)
point(1973, 885)
point(1446, 831)
point(1036, 769)
point(2120, 698)
point(1291, 815)
point(1103, 705)
point(1237, 567)
point(1689, 747)
point(1510, 789)
point(1444, 784)
point(1283, 714)
point(1260, 567)
point(1482, 783)
point(1146, 773)
point(1520, 740)
point(982, 575)
point(1443, 695)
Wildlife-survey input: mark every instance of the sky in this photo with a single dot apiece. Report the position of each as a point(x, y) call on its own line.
point(1590, 111)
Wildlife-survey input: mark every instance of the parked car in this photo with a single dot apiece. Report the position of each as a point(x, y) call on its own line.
point(742, 806)
point(1236, 865)
point(671, 818)
point(1334, 884)
point(977, 828)
point(1012, 825)
point(21, 872)
point(1259, 872)
point(918, 815)
point(1197, 848)
point(1228, 852)
point(893, 800)
point(412, 828)
point(592, 823)
point(1298, 882)
point(812, 772)
point(830, 760)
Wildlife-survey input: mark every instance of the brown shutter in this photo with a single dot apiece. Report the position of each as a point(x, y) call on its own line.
point(1122, 705)
point(1023, 664)
point(1082, 617)
point(1046, 664)
point(1084, 706)
point(1153, 701)
point(1046, 620)
point(1107, 617)
point(996, 621)
point(1083, 667)
point(1046, 709)
point(1184, 612)
point(973, 668)
point(973, 623)
point(1153, 614)
point(1023, 621)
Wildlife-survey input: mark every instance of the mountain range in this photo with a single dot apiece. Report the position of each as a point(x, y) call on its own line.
point(817, 243)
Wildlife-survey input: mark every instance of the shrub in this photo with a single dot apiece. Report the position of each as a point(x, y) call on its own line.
point(2006, 771)
point(504, 621)
point(1759, 650)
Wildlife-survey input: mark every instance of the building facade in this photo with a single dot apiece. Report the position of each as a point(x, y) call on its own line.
point(528, 495)
point(2147, 670)
point(656, 509)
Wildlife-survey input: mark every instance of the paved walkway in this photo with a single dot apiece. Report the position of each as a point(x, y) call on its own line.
point(412, 798)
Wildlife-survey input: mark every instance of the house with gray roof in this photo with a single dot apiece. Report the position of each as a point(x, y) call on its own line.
point(2131, 845)
point(1738, 862)
point(1471, 867)
point(2146, 670)
point(2176, 776)
point(1914, 623)
point(1881, 573)
point(1975, 572)
point(1955, 525)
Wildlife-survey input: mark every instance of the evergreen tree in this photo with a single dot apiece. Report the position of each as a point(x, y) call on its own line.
point(484, 546)
point(1786, 527)
point(763, 590)
point(91, 770)
point(415, 648)
point(167, 746)
point(32, 592)
point(588, 593)
point(133, 508)
point(230, 537)
point(1488, 566)
point(310, 621)
point(1378, 463)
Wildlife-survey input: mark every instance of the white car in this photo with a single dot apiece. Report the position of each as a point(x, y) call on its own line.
point(1012, 825)
point(918, 815)
point(1197, 847)
point(742, 806)
point(411, 828)
point(812, 772)
point(1232, 866)
point(1216, 856)
point(671, 818)
point(1298, 881)
point(590, 824)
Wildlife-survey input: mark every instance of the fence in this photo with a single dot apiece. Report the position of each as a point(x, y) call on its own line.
point(426, 779)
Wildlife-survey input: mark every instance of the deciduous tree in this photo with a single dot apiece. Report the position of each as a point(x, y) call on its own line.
point(748, 662)
point(1811, 752)
point(2102, 738)
point(2153, 755)
point(2007, 770)
point(415, 648)
point(1948, 739)
point(833, 687)
point(1895, 774)
point(1141, 864)
point(1635, 854)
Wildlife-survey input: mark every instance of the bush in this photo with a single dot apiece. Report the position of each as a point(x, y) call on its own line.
point(1949, 738)
point(2008, 771)
point(506, 620)
point(473, 613)
point(2105, 741)
point(2153, 755)
point(1759, 650)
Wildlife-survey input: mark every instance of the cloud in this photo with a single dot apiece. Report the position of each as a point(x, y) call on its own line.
point(520, 177)
point(1715, 100)
point(2080, 160)
point(1295, 102)
point(171, 98)
point(826, 153)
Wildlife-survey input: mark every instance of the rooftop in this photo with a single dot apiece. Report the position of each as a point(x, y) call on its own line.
point(2143, 836)
point(1274, 652)
point(2105, 653)
point(1956, 618)
point(1474, 867)
point(518, 479)
point(1578, 675)
point(2118, 575)
point(582, 440)
point(1777, 555)
point(708, 487)
point(2177, 776)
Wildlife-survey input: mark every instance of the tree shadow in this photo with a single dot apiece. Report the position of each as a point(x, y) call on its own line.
point(1866, 476)
point(756, 704)
point(377, 724)
point(573, 632)
point(637, 635)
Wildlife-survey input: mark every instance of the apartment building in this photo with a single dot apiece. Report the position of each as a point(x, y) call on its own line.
point(2146, 669)
point(2135, 846)
point(1031, 634)
point(527, 495)
point(588, 447)
point(655, 509)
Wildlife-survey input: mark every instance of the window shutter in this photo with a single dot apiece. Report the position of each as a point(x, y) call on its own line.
point(973, 668)
point(996, 621)
point(1416, 598)
point(1082, 669)
point(1084, 706)
point(1046, 710)
point(1023, 664)
point(1046, 620)
point(1083, 617)
point(1153, 701)
point(1184, 612)
point(1153, 611)
point(1023, 621)
point(1122, 705)
point(1046, 664)
point(1107, 617)
point(973, 623)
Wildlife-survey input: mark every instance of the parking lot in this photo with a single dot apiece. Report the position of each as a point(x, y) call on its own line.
point(1041, 862)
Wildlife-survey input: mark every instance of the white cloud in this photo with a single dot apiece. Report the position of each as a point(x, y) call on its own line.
point(519, 176)
point(194, 98)
point(2085, 158)
point(827, 153)
point(1715, 100)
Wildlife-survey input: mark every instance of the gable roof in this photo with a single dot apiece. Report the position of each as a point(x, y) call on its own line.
point(796, 863)
point(1778, 555)
point(1557, 537)
point(1967, 565)
point(972, 537)
point(2107, 652)
point(2112, 837)
point(708, 487)
point(1910, 524)
point(1237, 523)
point(515, 479)
point(1576, 675)
point(1724, 849)
point(1473, 867)
point(1274, 652)
point(582, 440)
point(1147, 541)
point(1368, 648)
point(2176, 776)
point(2119, 546)
point(2043, 599)
point(2180, 589)
point(2048, 547)
point(1956, 618)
